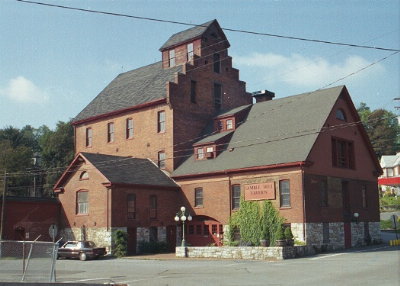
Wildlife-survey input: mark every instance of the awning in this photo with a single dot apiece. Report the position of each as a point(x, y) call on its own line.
point(393, 181)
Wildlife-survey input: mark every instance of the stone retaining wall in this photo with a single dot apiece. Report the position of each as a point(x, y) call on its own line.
point(245, 252)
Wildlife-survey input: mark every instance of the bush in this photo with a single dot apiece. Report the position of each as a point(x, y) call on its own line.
point(153, 247)
point(288, 233)
point(256, 221)
point(279, 235)
point(120, 243)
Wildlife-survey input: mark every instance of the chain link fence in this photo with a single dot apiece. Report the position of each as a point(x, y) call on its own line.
point(27, 261)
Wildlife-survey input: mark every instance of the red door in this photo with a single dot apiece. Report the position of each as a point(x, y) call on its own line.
point(347, 235)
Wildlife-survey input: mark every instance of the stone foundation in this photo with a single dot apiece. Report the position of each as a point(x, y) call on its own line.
point(246, 252)
point(103, 237)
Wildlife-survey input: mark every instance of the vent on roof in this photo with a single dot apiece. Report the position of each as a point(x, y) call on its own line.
point(263, 95)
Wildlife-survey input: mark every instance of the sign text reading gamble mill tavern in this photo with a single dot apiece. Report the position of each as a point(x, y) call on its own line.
point(255, 192)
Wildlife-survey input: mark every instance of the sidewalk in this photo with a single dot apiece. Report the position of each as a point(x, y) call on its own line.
point(157, 256)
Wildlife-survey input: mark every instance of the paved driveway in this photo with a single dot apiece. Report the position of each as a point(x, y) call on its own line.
point(377, 265)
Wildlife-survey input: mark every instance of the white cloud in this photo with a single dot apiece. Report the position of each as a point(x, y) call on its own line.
point(23, 90)
point(298, 70)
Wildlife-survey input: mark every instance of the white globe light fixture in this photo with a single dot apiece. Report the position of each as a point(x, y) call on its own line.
point(183, 216)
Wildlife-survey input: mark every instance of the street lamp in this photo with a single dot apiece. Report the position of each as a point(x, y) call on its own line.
point(182, 215)
point(356, 216)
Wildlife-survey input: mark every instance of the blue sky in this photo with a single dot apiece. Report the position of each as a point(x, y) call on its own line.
point(53, 61)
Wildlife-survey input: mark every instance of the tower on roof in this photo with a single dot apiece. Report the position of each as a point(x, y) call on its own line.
point(199, 45)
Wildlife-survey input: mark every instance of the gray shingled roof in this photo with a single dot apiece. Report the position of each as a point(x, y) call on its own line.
point(129, 89)
point(275, 132)
point(233, 111)
point(186, 35)
point(214, 137)
point(127, 170)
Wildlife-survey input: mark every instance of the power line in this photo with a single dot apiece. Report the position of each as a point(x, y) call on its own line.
point(226, 29)
point(119, 162)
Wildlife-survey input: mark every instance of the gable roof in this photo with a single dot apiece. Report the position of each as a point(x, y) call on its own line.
point(136, 87)
point(390, 161)
point(280, 131)
point(187, 35)
point(122, 170)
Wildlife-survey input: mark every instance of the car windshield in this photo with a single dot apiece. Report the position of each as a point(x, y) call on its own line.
point(70, 245)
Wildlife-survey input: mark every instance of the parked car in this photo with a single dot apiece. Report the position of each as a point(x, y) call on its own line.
point(81, 249)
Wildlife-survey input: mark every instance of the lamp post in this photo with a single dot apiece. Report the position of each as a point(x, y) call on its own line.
point(356, 216)
point(182, 215)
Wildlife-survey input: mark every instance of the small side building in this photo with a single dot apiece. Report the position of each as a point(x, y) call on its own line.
point(100, 194)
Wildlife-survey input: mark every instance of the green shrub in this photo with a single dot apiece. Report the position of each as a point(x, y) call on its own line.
point(120, 243)
point(256, 221)
point(279, 235)
point(288, 233)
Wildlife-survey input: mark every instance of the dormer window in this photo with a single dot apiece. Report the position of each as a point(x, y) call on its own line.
point(229, 124)
point(200, 153)
point(189, 48)
point(171, 58)
point(340, 115)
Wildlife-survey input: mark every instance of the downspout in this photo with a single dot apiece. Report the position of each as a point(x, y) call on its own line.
point(108, 208)
point(304, 203)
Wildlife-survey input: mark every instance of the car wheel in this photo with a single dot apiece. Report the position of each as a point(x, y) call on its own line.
point(82, 256)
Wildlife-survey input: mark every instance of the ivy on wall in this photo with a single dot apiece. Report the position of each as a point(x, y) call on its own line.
point(256, 221)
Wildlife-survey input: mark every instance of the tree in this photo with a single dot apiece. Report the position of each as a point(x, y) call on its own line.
point(382, 128)
point(57, 151)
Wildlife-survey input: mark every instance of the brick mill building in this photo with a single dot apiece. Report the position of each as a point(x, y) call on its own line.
point(184, 131)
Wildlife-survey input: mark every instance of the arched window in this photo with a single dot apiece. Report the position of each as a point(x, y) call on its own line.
point(340, 114)
point(84, 176)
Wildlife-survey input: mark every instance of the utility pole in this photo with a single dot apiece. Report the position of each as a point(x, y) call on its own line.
point(3, 203)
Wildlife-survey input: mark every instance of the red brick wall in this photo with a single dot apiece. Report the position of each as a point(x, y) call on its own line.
point(146, 142)
point(108, 208)
point(217, 193)
point(321, 153)
point(32, 216)
point(97, 216)
point(168, 203)
point(364, 173)
point(334, 211)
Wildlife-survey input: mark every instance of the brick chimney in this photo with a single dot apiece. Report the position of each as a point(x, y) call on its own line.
point(263, 95)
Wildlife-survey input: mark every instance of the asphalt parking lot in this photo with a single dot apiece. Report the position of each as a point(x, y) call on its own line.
point(376, 265)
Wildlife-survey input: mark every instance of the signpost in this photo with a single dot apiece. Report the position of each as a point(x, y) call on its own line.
point(53, 232)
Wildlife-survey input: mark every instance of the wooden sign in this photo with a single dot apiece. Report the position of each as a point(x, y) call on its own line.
point(257, 192)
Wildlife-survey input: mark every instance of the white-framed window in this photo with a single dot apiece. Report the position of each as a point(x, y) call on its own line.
point(198, 197)
point(171, 58)
point(284, 193)
point(110, 132)
point(82, 202)
point(189, 51)
point(200, 153)
point(229, 124)
point(129, 128)
point(161, 121)
point(235, 197)
point(161, 160)
point(89, 137)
